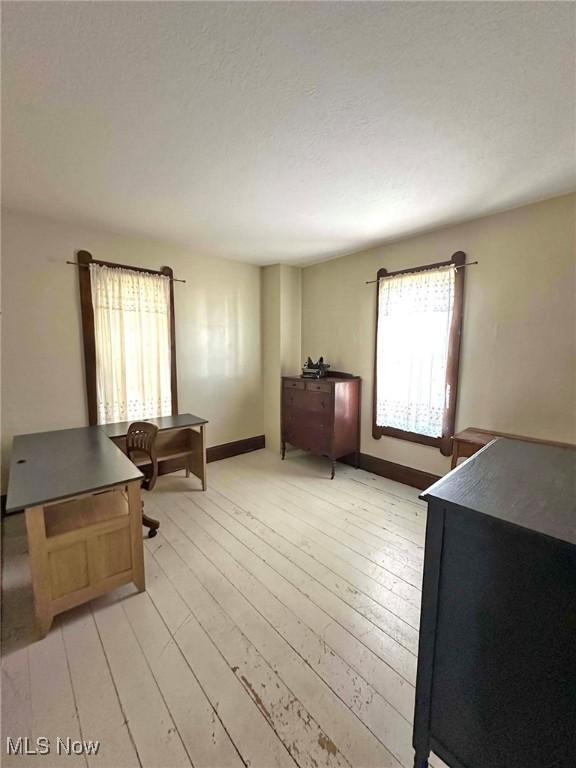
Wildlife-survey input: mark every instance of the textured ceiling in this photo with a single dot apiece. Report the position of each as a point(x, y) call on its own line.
point(287, 132)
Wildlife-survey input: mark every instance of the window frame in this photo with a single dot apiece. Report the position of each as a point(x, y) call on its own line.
point(84, 259)
point(444, 442)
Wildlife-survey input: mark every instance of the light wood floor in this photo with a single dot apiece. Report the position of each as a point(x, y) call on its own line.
point(279, 628)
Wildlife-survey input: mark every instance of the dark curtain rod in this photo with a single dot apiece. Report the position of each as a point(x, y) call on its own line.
point(134, 269)
point(415, 272)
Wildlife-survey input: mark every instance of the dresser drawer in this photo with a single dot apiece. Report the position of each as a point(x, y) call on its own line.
point(293, 384)
point(318, 386)
point(294, 399)
point(306, 402)
point(306, 418)
point(313, 435)
point(320, 403)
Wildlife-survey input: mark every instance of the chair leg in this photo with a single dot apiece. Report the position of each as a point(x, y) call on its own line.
point(150, 523)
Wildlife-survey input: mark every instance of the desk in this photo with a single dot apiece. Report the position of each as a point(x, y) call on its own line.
point(469, 441)
point(497, 655)
point(81, 498)
point(180, 437)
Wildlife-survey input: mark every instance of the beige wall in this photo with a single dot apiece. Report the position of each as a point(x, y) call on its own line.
point(271, 354)
point(217, 329)
point(291, 319)
point(281, 333)
point(518, 358)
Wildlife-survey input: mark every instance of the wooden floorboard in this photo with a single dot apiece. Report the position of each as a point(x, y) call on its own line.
point(279, 629)
point(241, 638)
point(329, 520)
point(151, 723)
point(321, 501)
point(296, 597)
point(347, 686)
point(307, 550)
point(97, 703)
point(192, 711)
point(244, 719)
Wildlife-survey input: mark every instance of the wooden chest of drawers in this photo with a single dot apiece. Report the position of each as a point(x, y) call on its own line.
point(322, 416)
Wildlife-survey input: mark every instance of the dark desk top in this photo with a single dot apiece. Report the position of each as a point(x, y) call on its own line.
point(47, 466)
point(163, 422)
point(527, 484)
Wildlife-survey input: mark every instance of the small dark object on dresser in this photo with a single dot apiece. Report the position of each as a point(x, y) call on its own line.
point(312, 370)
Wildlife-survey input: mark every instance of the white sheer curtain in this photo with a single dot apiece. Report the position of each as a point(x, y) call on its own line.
point(414, 316)
point(132, 333)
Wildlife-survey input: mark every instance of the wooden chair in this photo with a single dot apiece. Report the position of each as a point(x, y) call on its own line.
point(141, 449)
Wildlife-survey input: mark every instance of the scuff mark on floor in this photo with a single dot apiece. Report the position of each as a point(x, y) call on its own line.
point(327, 744)
point(257, 700)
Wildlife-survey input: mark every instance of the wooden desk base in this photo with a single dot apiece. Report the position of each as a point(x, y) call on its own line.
point(185, 443)
point(84, 547)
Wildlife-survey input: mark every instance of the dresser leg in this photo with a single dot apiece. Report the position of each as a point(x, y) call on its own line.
point(333, 469)
point(420, 761)
point(283, 450)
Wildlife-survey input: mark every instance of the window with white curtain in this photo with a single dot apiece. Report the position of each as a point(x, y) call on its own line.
point(132, 340)
point(416, 356)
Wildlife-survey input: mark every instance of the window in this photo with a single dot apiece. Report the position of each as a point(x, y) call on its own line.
point(128, 323)
point(418, 326)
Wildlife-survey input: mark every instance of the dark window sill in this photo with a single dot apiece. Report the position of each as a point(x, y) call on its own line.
point(444, 444)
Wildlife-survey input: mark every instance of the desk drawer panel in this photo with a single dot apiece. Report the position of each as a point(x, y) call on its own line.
point(68, 569)
point(110, 554)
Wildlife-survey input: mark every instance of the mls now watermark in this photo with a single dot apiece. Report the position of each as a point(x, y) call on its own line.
point(23, 745)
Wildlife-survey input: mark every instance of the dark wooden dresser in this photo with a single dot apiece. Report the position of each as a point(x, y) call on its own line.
point(322, 415)
point(496, 684)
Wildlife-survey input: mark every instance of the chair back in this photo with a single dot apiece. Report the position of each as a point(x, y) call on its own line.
point(141, 439)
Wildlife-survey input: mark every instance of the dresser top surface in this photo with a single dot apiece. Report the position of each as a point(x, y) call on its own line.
point(326, 379)
point(526, 484)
